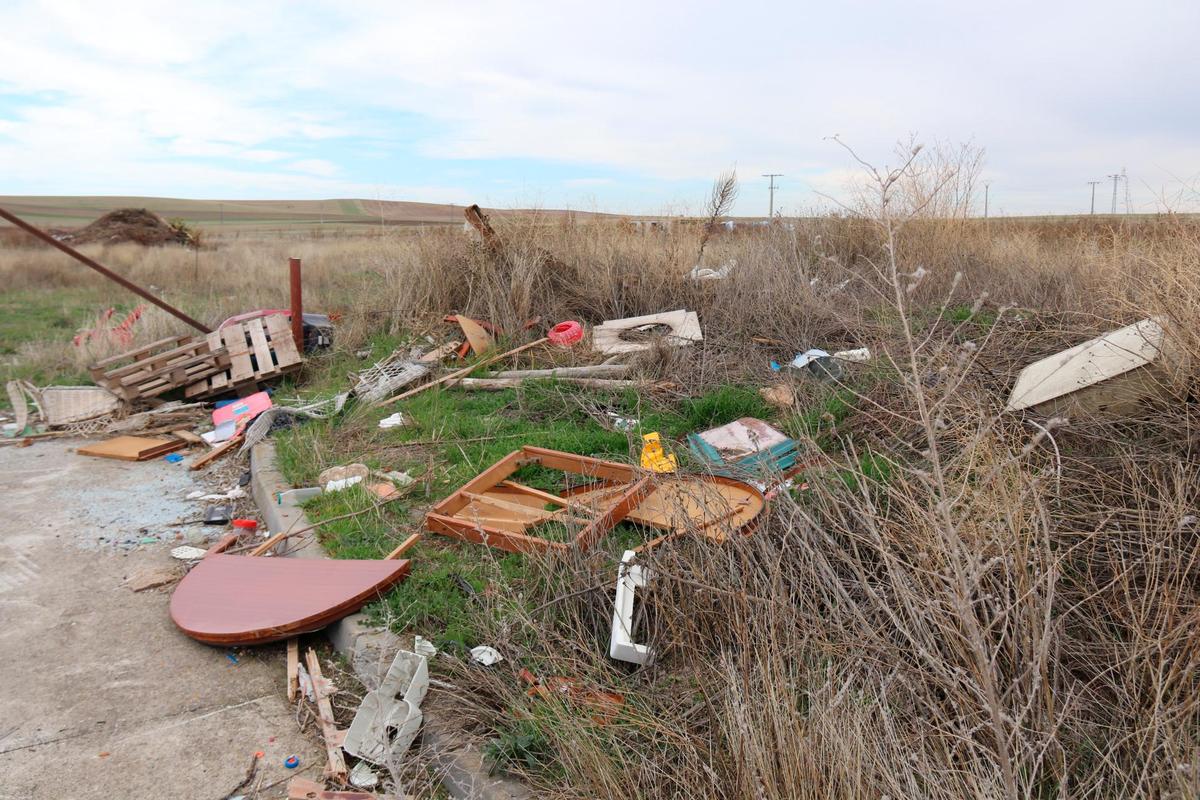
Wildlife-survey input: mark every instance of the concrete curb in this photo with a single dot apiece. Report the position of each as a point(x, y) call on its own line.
point(370, 650)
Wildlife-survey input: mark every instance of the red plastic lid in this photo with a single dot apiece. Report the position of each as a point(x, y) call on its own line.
point(249, 524)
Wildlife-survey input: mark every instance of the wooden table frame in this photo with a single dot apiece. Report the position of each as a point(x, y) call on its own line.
point(443, 518)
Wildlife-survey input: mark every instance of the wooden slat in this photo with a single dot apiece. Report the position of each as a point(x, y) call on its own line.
point(403, 548)
point(262, 351)
point(528, 512)
point(293, 669)
point(493, 537)
point(240, 368)
point(545, 497)
point(280, 331)
point(216, 452)
point(333, 749)
point(134, 354)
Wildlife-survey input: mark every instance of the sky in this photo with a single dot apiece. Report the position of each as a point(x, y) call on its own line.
point(615, 106)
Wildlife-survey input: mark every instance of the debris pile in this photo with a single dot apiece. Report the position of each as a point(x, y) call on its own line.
point(245, 591)
point(137, 225)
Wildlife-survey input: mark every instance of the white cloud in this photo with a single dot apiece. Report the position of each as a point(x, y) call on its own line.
point(151, 93)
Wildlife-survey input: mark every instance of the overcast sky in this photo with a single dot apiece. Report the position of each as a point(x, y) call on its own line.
point(614, 106)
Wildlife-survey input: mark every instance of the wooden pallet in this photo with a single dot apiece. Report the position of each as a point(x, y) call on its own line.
point(259, 349)
point(159, 367)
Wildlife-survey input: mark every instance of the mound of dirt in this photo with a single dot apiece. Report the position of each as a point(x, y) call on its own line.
point(131, 225)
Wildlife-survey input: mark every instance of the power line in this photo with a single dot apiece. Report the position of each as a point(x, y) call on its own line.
point(1115, 178)
point(1093, 185)
point(773, 176)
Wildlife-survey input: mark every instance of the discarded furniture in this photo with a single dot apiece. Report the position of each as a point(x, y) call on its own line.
point(498, 512)
point(630, 578)
point(259, 349)
point(744, 447)
point(159, 367)
point(712, 506)
point(389, 718)
point(388, 376)
point(244, 600)
point(635, 334)
point(132, 448)
point(1112, 373)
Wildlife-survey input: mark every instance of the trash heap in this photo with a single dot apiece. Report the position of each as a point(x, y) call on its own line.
point(243, 590)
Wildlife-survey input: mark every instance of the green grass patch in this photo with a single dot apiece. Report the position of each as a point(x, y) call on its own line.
point(453, 437)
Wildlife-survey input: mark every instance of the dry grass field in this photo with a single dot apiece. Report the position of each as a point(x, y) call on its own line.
point(961, 603)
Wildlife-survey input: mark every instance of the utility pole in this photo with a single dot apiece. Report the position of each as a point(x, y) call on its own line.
point(1093, 185)
point(773, 176)
point(1115, 179)
point(986, 189)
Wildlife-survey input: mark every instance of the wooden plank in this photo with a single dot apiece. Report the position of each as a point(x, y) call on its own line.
point(216, 452)
point(132, 448)
point(581, 465)
point(208, 362)
point(266, 546)
point(240, 366)
point(264, 363)
point(617, 512)
point(136, 354)
point(403, 548)
point(337, 762)
point(305, 789)
point(282, 342)
point(486, 479)
point(293, 669)
point(492, 537)
point(528, 512)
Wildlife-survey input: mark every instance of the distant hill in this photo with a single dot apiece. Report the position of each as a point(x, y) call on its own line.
point(76, 212)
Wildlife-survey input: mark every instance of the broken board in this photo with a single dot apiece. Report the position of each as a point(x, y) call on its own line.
point(635, 334)
point(132, 448)
point(243, 600)
point(259, 349)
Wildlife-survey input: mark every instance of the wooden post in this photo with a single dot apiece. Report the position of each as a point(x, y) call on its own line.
point(297, 305)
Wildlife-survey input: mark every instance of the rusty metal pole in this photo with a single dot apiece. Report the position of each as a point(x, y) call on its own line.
point(105, 271)
point(297, 305)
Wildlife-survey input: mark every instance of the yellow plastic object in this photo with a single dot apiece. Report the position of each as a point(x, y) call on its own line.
point(654, 458)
